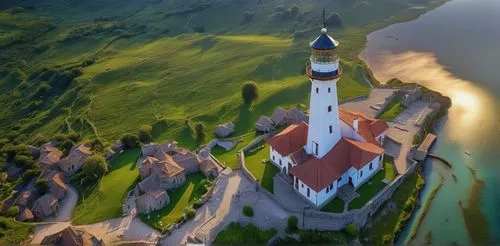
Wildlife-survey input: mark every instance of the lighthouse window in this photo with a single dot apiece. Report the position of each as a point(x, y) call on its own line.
point(308, 192)
point(317, 90)
point(329, 89)
point(331, 129)
point(330, 108)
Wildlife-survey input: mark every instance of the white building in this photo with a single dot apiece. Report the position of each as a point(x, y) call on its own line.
point(335, 147)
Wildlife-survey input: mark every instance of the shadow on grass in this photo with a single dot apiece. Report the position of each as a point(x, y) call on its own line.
point(267, 179)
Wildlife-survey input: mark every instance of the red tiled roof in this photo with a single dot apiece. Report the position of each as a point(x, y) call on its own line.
point(368, 128)
point(347, 153)
point(291, 139)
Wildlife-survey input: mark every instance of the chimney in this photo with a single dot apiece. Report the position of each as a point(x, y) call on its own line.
point(355, 124)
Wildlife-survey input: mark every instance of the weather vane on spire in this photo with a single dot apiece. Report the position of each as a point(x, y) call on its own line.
point(324, 21)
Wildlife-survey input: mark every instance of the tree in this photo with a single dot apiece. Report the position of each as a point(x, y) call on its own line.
point(97, 145)
point(199, 129)
point(30, 174)
point(248, 211)
point(95, 167)
point(292, 224)
point(145, 134)
point(12, 211)
point(130, 140)
point(23, 161)
point(42, 186)
point(249, 92)
point(66, 146)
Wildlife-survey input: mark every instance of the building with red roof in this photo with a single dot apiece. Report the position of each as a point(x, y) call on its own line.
point(335, 147)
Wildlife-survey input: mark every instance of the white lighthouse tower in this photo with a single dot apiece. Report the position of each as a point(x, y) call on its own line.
point(324, 125)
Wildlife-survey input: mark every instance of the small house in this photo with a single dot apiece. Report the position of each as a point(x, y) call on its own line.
point(264, 124)
point(152, 201)
point(224, 130)
point(279, 116)
point(45, 206)
point(72, 236)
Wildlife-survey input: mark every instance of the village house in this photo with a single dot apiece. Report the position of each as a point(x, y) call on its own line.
point(45, 206)
point(295, 116)
point(75, 159)
point(152, 201)
point(224, 130)
point(334, 147)
point(264, 124)
point(160, 174)
point(187, 160)
point(49, 156)
point(72, 236)
point(279, 116)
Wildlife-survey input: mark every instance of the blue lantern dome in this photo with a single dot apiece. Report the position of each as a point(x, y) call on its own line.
point(324, 42)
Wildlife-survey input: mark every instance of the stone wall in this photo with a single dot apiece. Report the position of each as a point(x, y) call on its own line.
point(241, 156)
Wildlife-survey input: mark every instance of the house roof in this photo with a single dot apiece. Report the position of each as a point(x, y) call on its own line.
point(50, 155)
point(297, 116)
point(293, 138)
point(368, 128)
point(44, 204)
point(324, 42)
point(149, 148)
point(25, 215)
point(57, 187)
point(224, 130)
point(186, 159)
point(263, 123)
point(168, 146)
point(151, 183)
point(278, 115)
point(70, 236)
point(319, 173)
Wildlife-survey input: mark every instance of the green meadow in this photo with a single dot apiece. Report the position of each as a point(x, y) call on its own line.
point(104, 68)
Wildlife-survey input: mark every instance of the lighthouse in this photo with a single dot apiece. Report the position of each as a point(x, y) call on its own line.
point(324, 71)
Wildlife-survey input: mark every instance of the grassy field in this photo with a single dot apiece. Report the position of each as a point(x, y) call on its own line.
point(334, 206)
point(105, 201)
point(230, 158)
point(169, 63)
point(13, 232)
point(180, 199)
point(236, 234)
point(368, 190)
point(257, 162)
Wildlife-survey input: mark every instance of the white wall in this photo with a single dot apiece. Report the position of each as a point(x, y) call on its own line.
point(275, 158)
point(324, 68)
point(347, 131)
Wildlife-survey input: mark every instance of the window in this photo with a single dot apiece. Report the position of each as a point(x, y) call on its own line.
point(330, 108)
point(331, 129)
point(361, 173)
point(316, 148)
point(331, 186)
point(302, 185)
point(308, 192)
point(280, 162)
point(317, 90)
point(329, 89)
point(340, 178)
point(273, 157)
point(327, 189)
point(371, 166)
point(380, 158)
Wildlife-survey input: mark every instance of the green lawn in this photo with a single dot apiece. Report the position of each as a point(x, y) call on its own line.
point(105, 201)
point(393, 109)
point(389, 169)
point(230, 158)
point(334, 206)
point(368, 190)
point(13, 232)
point(180, 199)
point(236, 234)
point(257, 162)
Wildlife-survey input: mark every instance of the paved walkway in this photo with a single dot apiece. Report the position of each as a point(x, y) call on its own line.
point(364, 105)
point(67, 206)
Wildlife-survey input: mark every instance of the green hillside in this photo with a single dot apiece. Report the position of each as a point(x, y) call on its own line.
point(105, 67)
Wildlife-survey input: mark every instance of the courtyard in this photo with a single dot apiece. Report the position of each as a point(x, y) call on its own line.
point(229, 157)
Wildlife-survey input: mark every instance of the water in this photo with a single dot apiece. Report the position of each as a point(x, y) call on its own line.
point(455, 50)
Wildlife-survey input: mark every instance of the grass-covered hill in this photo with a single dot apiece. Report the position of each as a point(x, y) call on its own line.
point(106, 67)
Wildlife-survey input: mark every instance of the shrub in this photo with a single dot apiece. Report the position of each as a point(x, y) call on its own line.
point(12, 211)
point(292, 224)
point(66, 146)
point(352, 230)
point(197, 204)
point(23, 161)
point(42, 186)
point(190, 213)
point(95, 167)
point(249, 92)
point(200, 131)
point(130, 140)
point(97, 145)
point(145, 134)
point(30, 174)
point(248, 211)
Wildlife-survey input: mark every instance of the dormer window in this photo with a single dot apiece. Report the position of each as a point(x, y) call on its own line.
point(317, 90)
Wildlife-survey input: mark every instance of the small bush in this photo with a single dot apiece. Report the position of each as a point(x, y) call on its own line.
point(292, 224)
point(248, 211)
point(30, 174)
point(190, 213)
point(197, 204)
point(352, 230)
point(95, 167)
point(145, 134)
point(12, 211)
